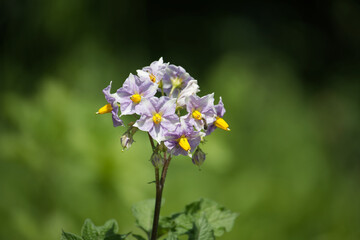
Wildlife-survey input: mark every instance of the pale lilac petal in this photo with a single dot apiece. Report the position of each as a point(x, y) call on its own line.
point(169, 124)
point(191, 103)
point(145, 107)
point(194, 142)
point(173, 72)
point(157, 133)
point(191, 89)
point(220, 110)
point(143, 76)
point(144, 123)
point(148, 89)
point(170, 144)
point(127, 108)
point(206, 103)
point(116, 120)
point(160, 103)
point(131, 83)
point(210, 129)
point(167, 106)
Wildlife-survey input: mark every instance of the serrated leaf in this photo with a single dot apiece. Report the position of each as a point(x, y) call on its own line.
point(106, 232)
point(117, 237)
point(89, 231)
point(184, 223)
point(110, 228)
point(218, 217)
point(144, 213)
point(138, 237)
point(202, 230)
point(69, 236)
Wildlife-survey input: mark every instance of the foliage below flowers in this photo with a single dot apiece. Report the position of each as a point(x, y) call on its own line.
point(201, 220)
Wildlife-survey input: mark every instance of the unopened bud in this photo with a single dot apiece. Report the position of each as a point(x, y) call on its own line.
point(157, 160)
point(126, 140)
point(198, 157)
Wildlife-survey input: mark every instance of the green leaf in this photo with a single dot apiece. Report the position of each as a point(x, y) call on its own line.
point(138, 237)
point(218, 217)
point(106, 232)
point(69, 236)
point(202, 230)
point(184, 223)
point(109, 229)
point(172, 236)
point(89, 230)
point(117, 237)
point(144, 213)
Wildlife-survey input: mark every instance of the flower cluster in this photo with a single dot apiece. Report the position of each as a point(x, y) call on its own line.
point(164, 97)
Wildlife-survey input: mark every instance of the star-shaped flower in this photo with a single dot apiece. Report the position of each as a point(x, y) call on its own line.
point(133, 92)
point(174, 80)
point(157, 117)
point(112, 106)
point(201, 111)
point(219, 122)
point(183, 140)
point(154, 72)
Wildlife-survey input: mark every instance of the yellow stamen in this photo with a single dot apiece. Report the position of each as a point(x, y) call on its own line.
point(136, 98)
point(105, 109)
point(197, 115)
point(220, 123)
point(184, 144)
point(157, 118)
point(152, 78)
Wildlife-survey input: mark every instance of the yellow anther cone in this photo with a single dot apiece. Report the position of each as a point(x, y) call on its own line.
point(152, 78)
point(136, 98)
point(157, 118)
point(105, 109)
point(197, 115)
point(184, 144)
point(220, 123)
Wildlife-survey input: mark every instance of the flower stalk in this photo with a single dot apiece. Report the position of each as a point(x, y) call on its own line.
point(159, 190)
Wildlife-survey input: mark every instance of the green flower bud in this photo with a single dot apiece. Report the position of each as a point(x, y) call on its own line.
point(157, 160)
point(198, 157)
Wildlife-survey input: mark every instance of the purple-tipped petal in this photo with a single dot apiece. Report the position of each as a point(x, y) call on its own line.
point(220, 110)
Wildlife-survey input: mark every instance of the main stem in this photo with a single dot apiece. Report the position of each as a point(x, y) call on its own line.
point(159, 189)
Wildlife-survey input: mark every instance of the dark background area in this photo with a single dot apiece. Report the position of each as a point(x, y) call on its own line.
point(288, 72)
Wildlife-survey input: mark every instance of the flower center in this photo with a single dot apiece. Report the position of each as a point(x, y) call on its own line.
point(152, 78)
point(184, 144)
point(197, 115)
point(176, 82)
point(105, 109)
point(157, 118)
point(136, 98)
point(220, 123)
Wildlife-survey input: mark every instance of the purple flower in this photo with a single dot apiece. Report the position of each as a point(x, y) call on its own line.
point(154, 72)
point(133, 92)
point(112, 106)
point(183, 140)
point(174, 80)
point(218, 121)
point(191, 89)
point(200, 110)
point(157, 117)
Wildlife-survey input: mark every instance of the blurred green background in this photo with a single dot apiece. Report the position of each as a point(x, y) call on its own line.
point(288, 73)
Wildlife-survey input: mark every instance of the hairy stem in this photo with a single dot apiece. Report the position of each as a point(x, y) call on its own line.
point(159, 189)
